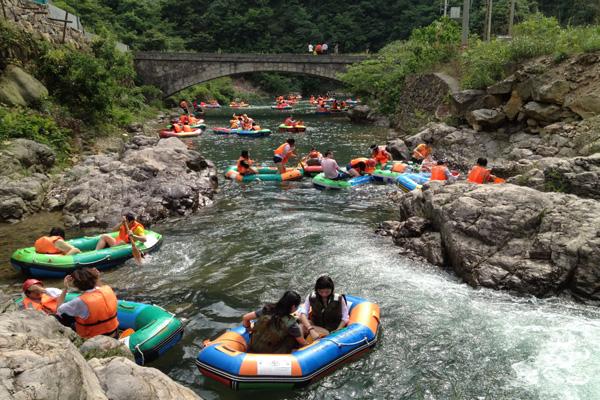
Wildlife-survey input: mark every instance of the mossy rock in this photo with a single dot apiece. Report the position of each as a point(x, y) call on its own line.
point(18, 88)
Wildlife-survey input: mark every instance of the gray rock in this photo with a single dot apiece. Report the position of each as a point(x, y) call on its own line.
point(18, 88)
point(104, 347)
point(585, 105)
point(502, 87)
point(398, 149)
point(387, 228)
point(513, 106)
point(485, 119)
point(467, 100)
point(31, 155)
point(513, 238)
point(122, 379)
point(554, 92)
point(545, 113)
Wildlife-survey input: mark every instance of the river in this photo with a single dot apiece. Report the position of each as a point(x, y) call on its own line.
point(440, 340)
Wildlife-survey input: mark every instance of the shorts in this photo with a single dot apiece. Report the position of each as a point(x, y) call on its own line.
point(277, 159)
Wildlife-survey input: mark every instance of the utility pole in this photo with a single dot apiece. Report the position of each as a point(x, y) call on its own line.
point(465, 23)
point(445, 8)
point(511, 18)
point(488, 21)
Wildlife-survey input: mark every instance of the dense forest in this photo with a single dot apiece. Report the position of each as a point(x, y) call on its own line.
point(288, 26)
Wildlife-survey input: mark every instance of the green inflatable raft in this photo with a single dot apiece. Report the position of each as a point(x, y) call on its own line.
point(156, 330)
point(321, 182)
point(38, 265)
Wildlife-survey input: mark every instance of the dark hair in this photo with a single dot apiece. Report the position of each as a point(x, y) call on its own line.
point(284, 306)
point(291, 141)
point(324, 282)
point(373, 147)
point(328, 153)
point(441, 162)
point(55, 231)
point(482, 161)
point(361, 165)
point(428, 141)
point(244, 164)
point(130, 217)
point(85, 278)
point(244, 153)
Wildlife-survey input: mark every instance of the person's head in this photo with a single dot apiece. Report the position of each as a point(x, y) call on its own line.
point(244, 154)
point(287, 304)
point(85, 278)
point(482, 162)
point(130, 217)
point(33, 289)
point(55, 231)
point(428, 141)
point(324, 286)
point(361, 165)
point(373, 148)
point(329, 154)
point(291, 141)
point(371, 163)
point(441, 162)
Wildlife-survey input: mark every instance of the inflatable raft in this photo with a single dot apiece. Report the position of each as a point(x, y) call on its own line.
point(266, 174)
point(238, 105)
point(320, 182)
point(156, 330)
point(170, 133)
point(251, 133)
point(30, 263)
point(226, 360)
point(285, 107)
point(312, 170)
point(407, 181)
point(288, 128)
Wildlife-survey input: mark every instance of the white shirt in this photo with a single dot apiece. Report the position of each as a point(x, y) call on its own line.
point(305, 309)
point(330, 167)
point(310, 48)
point(324, 47)
point(76, 307)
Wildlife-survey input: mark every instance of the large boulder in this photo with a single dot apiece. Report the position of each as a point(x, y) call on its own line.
point(553, 92)
point(545, 113)
point(585, 105)
point(398, 149)
point(31, 155)
point(122, 379)
point(511, 237)
point(18, 88)
point(152, 178)
point(485, 119)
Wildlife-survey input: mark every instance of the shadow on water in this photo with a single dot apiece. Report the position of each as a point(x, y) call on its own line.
point(441, 339)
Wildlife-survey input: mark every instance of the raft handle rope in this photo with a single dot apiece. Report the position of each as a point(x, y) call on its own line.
point(365, 340)
point(107, 257)
point(160, 328)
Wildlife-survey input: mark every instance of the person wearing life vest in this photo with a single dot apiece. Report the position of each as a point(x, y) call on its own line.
point(275, 330)
point(440, 172)
point(283, 153)
point(380, 154)
point(422, 151)
point(37, 297)
point(323, 311)
point(187, 128)
point(313, 158)
point(129, 223)
point(55, 243)
point(479, 173)
point(244, 164)
point(361, 166)
point(184, 106)
point(177, 128)
point(289, 121)
point(234, 122)
point(95, 310)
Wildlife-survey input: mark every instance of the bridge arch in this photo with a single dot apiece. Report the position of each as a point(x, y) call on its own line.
point(172, 72)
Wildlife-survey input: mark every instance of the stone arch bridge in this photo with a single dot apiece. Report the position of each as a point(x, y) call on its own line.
point(172, 72)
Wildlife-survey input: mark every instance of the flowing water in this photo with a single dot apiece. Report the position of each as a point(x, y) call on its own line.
point(440, 340)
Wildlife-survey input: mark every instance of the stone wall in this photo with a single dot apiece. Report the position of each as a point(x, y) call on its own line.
point(36, 18)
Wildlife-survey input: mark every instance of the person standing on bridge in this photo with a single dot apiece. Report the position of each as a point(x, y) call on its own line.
point(324, 48)
point(310, 48)
point(318, 49)
point(336, 48)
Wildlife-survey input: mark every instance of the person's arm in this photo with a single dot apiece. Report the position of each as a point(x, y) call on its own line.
point(296, 332)
point(61, 298)
point(66, 248)
point(138, 235)
point(345, 315)
point(247, 318)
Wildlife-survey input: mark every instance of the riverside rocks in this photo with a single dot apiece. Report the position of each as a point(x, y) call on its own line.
point(39, 360)
point(506, 237)
point(363, 114)
point(153, 178)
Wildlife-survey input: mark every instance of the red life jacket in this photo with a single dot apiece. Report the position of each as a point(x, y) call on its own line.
point(123, 236)
point(438, 173)
point(102, 319)
point(479, 174)
point(240, 168)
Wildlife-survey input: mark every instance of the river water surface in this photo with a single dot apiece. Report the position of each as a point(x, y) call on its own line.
point(440, 340)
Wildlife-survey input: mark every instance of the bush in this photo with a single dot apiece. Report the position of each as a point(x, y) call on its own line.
point(22, 123)
point(484, 63)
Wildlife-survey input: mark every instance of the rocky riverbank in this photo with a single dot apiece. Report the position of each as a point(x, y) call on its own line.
point(540, 233)
point(153, 178)
point(41, 359)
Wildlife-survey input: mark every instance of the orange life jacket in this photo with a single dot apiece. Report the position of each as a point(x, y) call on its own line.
point(234, 123)
point(279, 152)
point(102, 319)
point(123, 236)
point(47, 304)
point(315, 154)
point(421, 152)
point(399, 167)
point(183, 119)
point(177, 128)
point(438, 173)
point(240, 168)
point(479, 174)
point(380, 156)
point(187, 128)
point(45, 245)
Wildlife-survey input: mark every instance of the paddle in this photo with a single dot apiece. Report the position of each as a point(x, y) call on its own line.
point(137, 254)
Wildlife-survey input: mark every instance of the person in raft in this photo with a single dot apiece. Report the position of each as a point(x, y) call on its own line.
point(38, 297)
point(323, 311)
point(55, 243)
point(244, 164)
point(275, 330)
point(479, 173)
point(283, 153)
point(95, 310)
point(440, 172)
point(314, 157)
point(129, 224)
point(380, 154)
point(289, 121)
point(331, 169)
point(361, 166)
point(422, 151)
